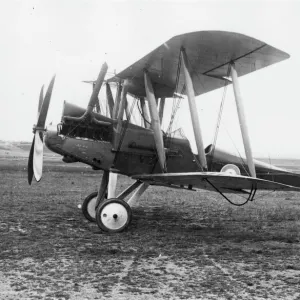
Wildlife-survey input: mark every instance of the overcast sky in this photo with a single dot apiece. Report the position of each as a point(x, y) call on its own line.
point(73, 38)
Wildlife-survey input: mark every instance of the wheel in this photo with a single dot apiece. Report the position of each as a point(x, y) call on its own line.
point(89, 207)
point(231, 170)
point(113, 215)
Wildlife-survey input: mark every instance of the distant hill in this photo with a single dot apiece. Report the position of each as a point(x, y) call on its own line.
point(26, 147)
point(9, 149)
point(20, 149)
point(7, 146)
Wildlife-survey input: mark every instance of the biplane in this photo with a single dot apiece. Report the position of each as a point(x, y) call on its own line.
point(185, 66)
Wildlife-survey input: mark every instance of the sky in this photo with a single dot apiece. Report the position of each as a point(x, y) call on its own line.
point(72, 38)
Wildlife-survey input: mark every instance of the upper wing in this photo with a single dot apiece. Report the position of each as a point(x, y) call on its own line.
point(209, 53)
point(212, 180)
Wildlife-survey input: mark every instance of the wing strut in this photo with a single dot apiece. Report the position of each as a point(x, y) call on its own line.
point(122, 102)
point(242, 120)
point(110, 100)
point(98, 104)
point(117, 102)
point(121, 112)
point(193, 110)
point(155, 124)
point(161, 109)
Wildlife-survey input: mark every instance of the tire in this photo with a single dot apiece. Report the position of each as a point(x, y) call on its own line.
point(87, 206)
point(113, 215)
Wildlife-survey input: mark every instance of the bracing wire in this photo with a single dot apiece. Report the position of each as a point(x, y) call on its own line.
point(124, 129)
point(239, 154)
point(219, 119)
point(175, 103)
point(176, 100)
point(217, 128)
point(141, 113)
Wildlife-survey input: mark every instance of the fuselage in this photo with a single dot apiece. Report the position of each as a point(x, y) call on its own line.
point(135, 154)
point(132, 151)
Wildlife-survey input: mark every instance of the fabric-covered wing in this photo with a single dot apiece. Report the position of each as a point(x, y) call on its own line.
point(209, 53)
point(206, 180)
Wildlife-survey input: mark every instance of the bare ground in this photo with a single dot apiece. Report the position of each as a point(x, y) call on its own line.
point(180, 245)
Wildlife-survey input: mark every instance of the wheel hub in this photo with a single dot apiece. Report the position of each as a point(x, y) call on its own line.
point(114, 216)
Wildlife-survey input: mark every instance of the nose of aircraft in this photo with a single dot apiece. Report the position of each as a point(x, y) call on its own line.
point(53, 141)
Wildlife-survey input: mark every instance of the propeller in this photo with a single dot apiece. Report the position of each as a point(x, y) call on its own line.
point(35, 160)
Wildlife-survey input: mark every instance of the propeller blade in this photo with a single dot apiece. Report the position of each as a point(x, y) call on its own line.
point(45, 105)
point(41, 100)
point(30, 163)
point(38, 155)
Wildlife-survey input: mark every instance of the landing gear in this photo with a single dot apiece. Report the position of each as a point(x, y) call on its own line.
point(113, 215)
point(89, 207)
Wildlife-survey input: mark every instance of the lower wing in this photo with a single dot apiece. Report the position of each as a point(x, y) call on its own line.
point(214, 181)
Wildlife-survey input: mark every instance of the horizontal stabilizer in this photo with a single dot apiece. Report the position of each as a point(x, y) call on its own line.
point(213, 180)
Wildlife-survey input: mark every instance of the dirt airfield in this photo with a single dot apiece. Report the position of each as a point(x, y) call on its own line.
point(180, 245)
